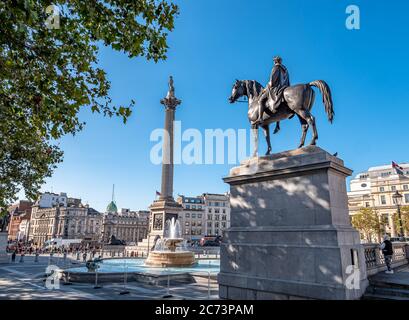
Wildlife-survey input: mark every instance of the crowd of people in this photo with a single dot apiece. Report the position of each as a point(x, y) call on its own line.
point(22, 249)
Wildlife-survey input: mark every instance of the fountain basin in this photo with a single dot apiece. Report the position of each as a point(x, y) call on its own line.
point(114, 269)
point(165, 259)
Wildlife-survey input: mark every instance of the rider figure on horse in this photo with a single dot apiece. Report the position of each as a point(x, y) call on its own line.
point(279, 80)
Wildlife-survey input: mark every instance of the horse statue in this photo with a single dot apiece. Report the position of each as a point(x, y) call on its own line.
point(297, 100)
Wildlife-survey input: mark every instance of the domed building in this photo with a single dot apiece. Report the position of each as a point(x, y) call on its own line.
point(112, 208)
point(126, 225)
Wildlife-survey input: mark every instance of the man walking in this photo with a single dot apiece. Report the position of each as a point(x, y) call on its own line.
point(387, 251)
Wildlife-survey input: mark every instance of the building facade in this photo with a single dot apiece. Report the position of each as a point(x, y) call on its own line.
point(129, 226)
point(204, 215)
point(20, 213)
point(57, 216)
point(374, 189)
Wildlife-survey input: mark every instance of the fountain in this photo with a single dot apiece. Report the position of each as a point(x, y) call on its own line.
point(171, 251)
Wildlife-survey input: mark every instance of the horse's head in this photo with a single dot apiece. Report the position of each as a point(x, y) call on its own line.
point(238, 91)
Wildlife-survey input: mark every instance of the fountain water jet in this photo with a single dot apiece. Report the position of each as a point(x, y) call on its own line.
point(171, 250)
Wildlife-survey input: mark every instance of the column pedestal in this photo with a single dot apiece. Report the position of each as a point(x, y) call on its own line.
point(290, 235)
point(4, 258)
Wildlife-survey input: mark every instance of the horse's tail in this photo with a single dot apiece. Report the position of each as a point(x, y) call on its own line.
point(326, 97)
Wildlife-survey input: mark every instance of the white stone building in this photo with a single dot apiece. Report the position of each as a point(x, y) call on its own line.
point(204, 215)
point(374, 189)
point(129, 226)
point(57, 216)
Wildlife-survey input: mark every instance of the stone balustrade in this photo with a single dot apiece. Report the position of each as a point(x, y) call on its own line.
point(375, 261)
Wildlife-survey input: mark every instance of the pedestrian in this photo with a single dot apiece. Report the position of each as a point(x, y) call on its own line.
point(84, 257)
point(387, 251)
point(13, 256)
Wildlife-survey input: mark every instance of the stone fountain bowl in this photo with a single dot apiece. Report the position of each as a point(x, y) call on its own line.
point(171, 257)
point(164, 259)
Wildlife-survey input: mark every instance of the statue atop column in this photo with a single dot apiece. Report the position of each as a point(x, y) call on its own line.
point(171, 101)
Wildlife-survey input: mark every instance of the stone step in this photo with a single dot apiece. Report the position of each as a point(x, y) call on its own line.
point(388, 292)
point(385, 284)
point(372, 296)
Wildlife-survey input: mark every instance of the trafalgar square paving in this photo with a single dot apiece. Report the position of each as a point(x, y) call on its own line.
point(28, 281)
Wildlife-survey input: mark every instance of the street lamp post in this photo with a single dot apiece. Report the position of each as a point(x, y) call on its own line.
point(398, 199)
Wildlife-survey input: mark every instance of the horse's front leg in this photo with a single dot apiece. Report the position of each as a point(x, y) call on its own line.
point(266, 130)
point(254, 130)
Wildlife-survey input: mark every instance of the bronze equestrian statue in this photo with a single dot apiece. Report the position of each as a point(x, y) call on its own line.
point(292, 100)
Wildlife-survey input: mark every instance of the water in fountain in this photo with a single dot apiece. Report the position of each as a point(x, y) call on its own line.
point(172, 249)
point(173, 230)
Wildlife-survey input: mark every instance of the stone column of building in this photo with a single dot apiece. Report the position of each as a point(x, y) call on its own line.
point(392, 224)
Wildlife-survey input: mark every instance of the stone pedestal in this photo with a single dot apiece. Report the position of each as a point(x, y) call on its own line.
point(161, 211)
point(290, 235)
point(4, 258)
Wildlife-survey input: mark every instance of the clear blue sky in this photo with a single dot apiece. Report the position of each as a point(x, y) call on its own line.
point(215, 42)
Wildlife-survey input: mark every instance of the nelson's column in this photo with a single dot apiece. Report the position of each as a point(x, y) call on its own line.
point(164, 208)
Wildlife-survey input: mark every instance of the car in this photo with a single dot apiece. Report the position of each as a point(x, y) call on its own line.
point(211, 243)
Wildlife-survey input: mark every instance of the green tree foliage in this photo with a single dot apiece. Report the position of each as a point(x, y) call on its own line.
point(366, 221)
point(404, 212)
point(48, 74)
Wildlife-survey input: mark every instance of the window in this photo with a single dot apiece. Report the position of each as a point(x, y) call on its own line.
point(405, 187)
point(187, 215)
point(407, 198)
point(224, 217)
point(217, 204)
point(199, 223)
point(193, 224)
point(199, 215)
point(224, 224)
point(385, 174)
point(209, 225)
point(210, 203)
point(364, 185)
point(383, 199)
point(224, 211)
point(193, 215)
point(193, 206)
point(199, 207)
point(209, 217)
point(367, 205)
point(188, 206)
point(210, 210)
point(216, 211)
point(187, 224)
point(381, 189)
point(393, 188)
point(216, 224)
point(216, 217)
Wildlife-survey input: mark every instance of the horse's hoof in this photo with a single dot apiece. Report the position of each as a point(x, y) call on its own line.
point(268, 152)
point(300, 146)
